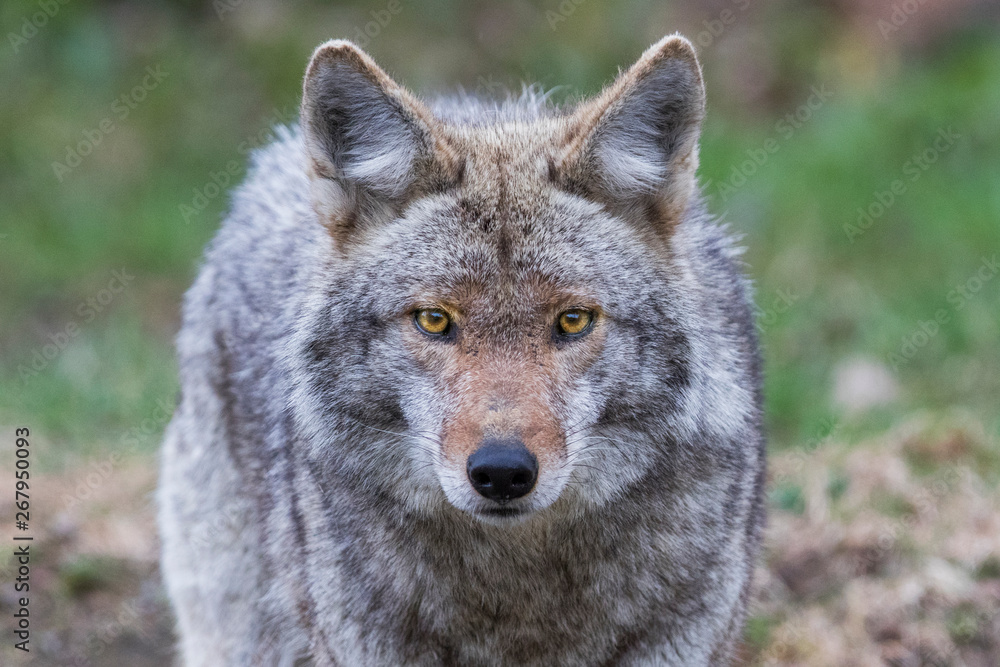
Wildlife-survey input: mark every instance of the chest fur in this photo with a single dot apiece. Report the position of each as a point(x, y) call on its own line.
point(450, 593)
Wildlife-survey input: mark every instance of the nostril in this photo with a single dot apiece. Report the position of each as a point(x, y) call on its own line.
point(520, 479)
point(480, 478)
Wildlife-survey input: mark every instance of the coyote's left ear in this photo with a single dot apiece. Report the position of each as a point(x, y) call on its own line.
point(637, 142)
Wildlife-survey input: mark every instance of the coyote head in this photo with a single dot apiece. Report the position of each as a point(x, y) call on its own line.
point(501, 312)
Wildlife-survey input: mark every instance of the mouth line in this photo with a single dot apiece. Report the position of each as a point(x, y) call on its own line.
point(501, 511)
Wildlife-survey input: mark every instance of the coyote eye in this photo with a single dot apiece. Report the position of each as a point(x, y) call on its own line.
point(432, 321)
point(575, 321)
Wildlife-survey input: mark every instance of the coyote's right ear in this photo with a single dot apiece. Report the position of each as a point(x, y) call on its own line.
point(370, 143)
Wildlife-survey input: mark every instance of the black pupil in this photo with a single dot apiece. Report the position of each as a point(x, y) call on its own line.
point(572, 320)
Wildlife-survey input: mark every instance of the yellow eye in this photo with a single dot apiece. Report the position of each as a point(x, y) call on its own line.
point(432, 321)
point(575, 321)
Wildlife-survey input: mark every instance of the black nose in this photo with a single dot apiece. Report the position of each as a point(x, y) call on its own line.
point(502, 470)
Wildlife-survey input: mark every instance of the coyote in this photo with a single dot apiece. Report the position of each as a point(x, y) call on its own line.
point(468, 382)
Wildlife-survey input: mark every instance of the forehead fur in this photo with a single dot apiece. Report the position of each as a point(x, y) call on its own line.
point(508, 164)
point(534, 254)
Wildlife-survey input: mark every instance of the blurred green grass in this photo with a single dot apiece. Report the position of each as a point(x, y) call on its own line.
point(230, 77)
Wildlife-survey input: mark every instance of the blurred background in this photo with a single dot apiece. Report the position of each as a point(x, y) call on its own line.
point(854, 143)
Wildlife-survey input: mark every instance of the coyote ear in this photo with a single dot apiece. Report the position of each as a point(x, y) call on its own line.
point(369, 141)
point(637, 142)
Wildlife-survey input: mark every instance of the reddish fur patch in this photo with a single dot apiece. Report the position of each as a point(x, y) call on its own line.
point(505, 396)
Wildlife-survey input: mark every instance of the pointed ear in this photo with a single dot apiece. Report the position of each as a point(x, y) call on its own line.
point(637, 142)
point(371, 144)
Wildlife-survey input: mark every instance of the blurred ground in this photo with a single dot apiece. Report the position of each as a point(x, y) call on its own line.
point(95, 596)
point(854, 143)
point(883, 553)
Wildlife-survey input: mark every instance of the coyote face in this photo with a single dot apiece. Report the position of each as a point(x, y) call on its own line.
point(511, 284)
point(515, 338)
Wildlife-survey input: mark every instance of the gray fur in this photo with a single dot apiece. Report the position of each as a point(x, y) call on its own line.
point(309, 508)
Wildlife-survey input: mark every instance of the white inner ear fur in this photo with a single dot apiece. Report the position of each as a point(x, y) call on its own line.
point(381, 148)
point(648, 138)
